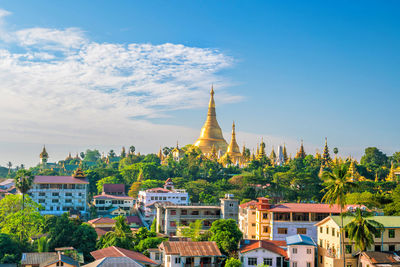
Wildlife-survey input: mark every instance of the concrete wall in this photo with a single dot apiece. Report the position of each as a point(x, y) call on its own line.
point(292, 229)
point(305, 254)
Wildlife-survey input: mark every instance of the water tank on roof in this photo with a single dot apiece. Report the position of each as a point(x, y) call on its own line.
point(229, 196)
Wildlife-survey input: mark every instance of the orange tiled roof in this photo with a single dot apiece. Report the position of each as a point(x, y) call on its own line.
point(265, 244)
point(101, 220)
point(304, 207)
point(247, 204)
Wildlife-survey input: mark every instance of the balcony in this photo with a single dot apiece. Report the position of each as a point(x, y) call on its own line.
point(198, 217)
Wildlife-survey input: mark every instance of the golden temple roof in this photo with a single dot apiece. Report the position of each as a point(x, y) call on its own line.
point(44, 153)
point(233, 148)
point(211, 133)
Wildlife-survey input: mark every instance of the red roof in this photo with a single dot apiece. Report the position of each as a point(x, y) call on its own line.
point(168, 180)
point(120, 252)
point(102, 220)
point(100, 231)
point(59, 180)
point(304, 207)
point(114, 188)
point(133, 219)
point(265, 244)
point(158, 190)
point(105, 196)
point(247, 204)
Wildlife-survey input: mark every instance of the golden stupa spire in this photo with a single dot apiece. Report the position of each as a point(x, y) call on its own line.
point(233, 146)
point(391, 176)
point(211, 133)
point(301, 153)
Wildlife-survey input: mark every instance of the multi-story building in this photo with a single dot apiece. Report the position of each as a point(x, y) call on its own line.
point(168, 194)
point(330, 245)
point(301, 250)
point(277, 221)
point(113, 199)
point(169, 217)
point(247, 219)
point(59, 194)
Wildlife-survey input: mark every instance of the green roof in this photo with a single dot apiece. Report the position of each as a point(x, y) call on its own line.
point(387, 221)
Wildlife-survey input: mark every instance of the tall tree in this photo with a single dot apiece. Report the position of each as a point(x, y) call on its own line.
point(23, 182)
point(9, 165)
point(226, 234)
point(337, 185)
point(121, 236)
point(362, 230)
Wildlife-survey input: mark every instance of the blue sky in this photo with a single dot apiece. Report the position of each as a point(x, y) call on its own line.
point(284, 70)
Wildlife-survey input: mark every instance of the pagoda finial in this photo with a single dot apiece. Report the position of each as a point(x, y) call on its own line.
point(212, 90)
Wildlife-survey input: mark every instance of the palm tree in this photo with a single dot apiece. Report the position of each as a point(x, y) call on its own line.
point(121, 236)
point(337, 185)
point(9, 165)
point(23, 182)
point(362, 230)
point(43, 244)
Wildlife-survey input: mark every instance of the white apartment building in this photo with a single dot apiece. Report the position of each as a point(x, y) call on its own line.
point(167, 194)
point(104, 203)
point(59, 194)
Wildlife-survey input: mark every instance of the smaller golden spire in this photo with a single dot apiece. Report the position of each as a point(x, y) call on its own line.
point(301, 153)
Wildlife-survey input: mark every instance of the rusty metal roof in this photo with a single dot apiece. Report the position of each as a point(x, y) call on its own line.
point(190, 248)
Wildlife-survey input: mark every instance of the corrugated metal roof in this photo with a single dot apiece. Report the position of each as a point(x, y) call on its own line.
point(189, 248)
point(120, 252)
point(300, 240)
point(114, 261)
point(35, 258)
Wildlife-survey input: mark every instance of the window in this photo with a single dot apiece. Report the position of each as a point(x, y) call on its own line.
point(282, 231)
point(172, 224)
point(168, 258)
point(265, 216)
point(346, 234)
point(309, 251)
point(252, 261)
point(294, 250)
point(178, 260)
point(68, 201)
point(157, 256)
point(320, 242)
point(391, 233)
point(41, 201)
point(183, 198)
point(294, 264)
point(320, 259)
point(253, 224)
point(266, 229)
point(54, 201)
point(308, 264)
point(301, 231)
point(278, 261)
point(152, 198)
point(268, 261)
point(320, 230)
point(327, 230)
point(348, 249)
point(184, 212)
point(392, 247)
point(55, 194)
point(41, 194)
point(68, 194)
point(377, 248)
point(173, 212)
point(333, 231)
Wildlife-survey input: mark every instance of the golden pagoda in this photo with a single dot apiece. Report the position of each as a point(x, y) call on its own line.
point(391, 177)
point(354, 176)
point(211, 133)
point(233, 149)
point(301, 153)
point(261, 150)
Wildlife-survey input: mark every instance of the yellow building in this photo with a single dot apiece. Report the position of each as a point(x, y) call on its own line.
point(247, 219)
point(262, 220)
point(330, 245)
point(211, 133)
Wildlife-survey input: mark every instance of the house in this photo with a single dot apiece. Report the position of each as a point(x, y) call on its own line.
point(6, 184)
point(114, 261)
point(301, 250)
point(180, 253)
point(269, 252)
point(263, 220)
point(167, 194)
point(121, 252)
point(330, 244)
point(376, 258)
point(102, 222)
point(59, 194)
point(113, 200)
point(169, 217)
point(47, 259)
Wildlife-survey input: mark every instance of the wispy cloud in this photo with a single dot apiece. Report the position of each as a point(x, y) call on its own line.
point(65, 88)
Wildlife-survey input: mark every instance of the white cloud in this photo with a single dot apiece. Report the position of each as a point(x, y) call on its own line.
point(66, 89)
